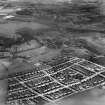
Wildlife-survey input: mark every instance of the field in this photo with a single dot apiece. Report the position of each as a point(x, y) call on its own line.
point(11, 27)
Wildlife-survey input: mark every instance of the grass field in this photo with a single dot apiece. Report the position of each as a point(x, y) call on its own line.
point(9, 28)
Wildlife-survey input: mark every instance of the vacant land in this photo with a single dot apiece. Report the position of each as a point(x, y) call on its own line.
point(10, 28)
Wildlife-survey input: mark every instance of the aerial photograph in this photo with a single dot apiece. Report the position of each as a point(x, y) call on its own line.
point(52, 52)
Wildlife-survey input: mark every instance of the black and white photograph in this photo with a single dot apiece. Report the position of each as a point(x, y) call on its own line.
point(52, 52)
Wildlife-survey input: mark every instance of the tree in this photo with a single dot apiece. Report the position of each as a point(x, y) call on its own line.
point(26, 33)
point(6, 42)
